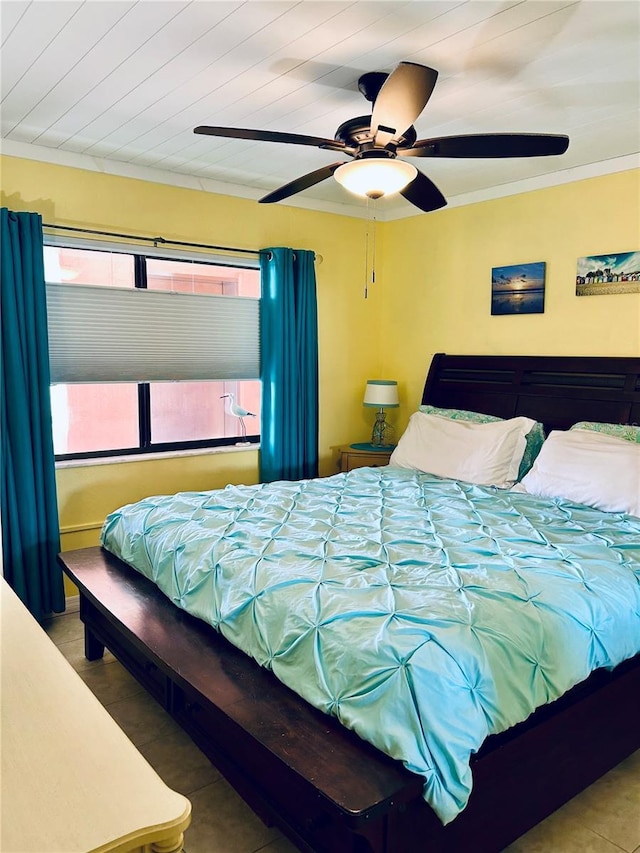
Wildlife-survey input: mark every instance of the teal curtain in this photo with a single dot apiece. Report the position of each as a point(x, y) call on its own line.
point(289, 365)
point(30, 532)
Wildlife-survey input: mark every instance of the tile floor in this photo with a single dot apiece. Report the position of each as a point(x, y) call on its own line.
point(603, 819)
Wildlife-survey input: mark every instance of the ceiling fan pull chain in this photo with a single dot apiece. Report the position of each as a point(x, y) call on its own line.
point(370, 237)
point(366, 254)
point(373, 249)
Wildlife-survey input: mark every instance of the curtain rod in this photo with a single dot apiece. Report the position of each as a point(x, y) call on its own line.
point(154, 240)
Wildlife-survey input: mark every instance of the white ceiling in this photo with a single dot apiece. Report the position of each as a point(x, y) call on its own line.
point(119, 86)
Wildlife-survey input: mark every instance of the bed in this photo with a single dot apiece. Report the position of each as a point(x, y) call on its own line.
point(327, 788)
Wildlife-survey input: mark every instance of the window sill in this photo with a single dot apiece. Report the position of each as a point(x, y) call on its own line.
point(147, 457)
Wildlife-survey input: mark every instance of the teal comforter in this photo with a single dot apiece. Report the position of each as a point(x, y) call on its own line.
point(424, 613)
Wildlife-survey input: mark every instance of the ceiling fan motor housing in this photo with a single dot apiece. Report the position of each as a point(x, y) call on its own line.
point(356, 133)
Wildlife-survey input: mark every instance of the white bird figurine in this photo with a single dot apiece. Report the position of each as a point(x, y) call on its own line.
point(240, 413)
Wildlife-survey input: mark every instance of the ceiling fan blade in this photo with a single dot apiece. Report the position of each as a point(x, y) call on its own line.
point(423, 193)
point(490, 145)
point(303, 183)
point(400, 101)
point(272, 136)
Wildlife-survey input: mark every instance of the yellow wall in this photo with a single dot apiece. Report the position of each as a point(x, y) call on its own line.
point(347, 323)
point(432, 294)
point(436, 278)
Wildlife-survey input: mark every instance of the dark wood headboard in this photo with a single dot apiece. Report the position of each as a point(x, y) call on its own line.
point(556, 390)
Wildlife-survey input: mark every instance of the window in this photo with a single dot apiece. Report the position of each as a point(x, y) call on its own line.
point(96, 414)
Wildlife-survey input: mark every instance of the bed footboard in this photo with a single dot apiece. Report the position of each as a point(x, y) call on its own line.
point(328, 790)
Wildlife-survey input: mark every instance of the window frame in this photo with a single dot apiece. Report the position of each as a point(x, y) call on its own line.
point(146, 445)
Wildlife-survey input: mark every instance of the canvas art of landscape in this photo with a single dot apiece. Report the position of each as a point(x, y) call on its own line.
point(518, 289)
point(606, 274)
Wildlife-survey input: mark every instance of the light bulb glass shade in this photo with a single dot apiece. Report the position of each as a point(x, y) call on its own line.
point(381, 393)
point(374, 178)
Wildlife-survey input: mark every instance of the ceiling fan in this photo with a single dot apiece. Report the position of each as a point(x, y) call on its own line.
point(376, 142)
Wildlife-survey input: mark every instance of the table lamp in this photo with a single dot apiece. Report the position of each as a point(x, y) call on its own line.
point(381, 394)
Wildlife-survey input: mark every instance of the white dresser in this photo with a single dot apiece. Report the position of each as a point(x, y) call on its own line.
point(71, 780)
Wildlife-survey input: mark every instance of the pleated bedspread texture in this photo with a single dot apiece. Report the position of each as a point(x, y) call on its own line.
point(424, 613)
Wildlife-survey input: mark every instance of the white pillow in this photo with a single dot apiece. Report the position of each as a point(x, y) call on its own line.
point(589, 468)
point(487, 454)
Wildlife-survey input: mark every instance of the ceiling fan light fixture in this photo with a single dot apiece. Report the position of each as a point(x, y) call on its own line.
point(373, 178)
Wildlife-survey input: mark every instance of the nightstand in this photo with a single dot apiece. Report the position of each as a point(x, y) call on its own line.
point(363, 455)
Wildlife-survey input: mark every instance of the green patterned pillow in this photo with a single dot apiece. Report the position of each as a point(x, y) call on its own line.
point(630, 432)
point(534, 439)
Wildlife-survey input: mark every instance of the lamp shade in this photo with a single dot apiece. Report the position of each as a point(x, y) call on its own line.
point(374, 178)
point(381, 393)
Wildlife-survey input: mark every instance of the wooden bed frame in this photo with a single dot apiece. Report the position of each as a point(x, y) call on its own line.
point(327, 790)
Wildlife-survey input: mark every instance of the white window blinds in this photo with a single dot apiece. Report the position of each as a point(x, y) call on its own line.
point(109, 334)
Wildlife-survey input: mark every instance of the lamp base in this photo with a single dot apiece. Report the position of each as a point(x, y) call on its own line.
point(380, 426)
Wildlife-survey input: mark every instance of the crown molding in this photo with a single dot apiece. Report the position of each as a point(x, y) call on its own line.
point(387, 211)
point(541, 182)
